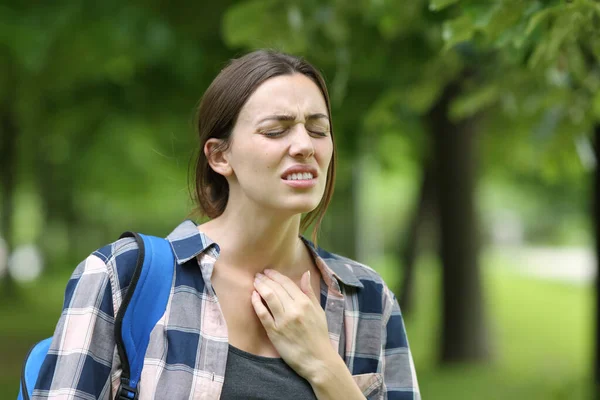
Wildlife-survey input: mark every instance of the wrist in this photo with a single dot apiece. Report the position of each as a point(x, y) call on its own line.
point(325, 370)
point(332, 380)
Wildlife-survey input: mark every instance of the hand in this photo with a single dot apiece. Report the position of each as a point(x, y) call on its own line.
point(296, 323)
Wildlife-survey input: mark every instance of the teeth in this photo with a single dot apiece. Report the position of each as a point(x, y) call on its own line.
point(296, 177)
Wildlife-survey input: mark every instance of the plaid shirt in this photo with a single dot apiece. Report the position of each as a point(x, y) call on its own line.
point(188, 347)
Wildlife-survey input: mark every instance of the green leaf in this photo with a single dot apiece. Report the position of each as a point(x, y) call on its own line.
point(457, 30)
point(538, 53)
point(437, 5)
point(263, 23)
point(471, 103)
point(482, 14)
point(576, 61)
point(596, 106)
point(421, 96)
point(538, 18)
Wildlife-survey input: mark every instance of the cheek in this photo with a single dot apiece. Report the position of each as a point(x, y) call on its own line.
point(253, 157)
point(269, 159)
point(260, 163)
point(324, 151)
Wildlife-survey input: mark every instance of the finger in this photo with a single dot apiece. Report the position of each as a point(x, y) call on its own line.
point(265, 317)
point(289, 285)
point(268, 290)
point(306, 287)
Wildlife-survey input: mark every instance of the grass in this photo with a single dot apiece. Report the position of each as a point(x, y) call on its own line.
point(540, 333)
point(28, 318)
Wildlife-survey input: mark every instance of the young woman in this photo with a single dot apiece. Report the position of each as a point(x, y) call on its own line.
point(255, 310)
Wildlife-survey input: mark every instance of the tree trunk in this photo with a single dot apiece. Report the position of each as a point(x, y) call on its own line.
point(410, 245)
point(596, 213)
point(8, 170)
point(464, 335)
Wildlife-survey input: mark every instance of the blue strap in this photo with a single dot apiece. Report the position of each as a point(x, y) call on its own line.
point(148, 303)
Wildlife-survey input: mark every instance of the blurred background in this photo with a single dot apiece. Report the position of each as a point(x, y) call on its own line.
point(467, 135)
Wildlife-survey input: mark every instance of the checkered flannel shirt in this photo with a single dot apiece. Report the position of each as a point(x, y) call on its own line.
point(187, 353)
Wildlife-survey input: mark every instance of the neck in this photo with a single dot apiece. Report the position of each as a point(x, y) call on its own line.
point(250, 242)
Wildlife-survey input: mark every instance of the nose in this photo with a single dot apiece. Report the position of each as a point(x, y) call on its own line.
point(301, 145)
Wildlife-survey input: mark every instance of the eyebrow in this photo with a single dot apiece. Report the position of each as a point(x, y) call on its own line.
point(289, 117)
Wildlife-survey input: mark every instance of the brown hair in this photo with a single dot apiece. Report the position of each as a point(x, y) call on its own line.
point(217, 115)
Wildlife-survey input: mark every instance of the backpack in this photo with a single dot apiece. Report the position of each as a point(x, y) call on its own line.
point(144, 303)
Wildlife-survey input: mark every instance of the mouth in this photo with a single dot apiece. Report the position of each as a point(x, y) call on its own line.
point(303, 180)
point(303, 176)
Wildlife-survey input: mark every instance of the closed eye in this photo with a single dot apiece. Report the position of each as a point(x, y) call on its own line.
point(318, 133)
point(274, 133)
point(313, 129)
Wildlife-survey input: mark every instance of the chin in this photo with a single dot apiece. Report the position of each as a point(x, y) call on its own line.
point(299, 207)
point(298, 203)
point(301, 210)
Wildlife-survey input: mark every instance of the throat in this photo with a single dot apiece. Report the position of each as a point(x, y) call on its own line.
point(284, 259)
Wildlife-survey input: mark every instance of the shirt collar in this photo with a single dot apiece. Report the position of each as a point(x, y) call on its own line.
point(187, 242)
point(341, 269)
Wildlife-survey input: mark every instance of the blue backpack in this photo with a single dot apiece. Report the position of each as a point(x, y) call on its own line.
point(143, 305)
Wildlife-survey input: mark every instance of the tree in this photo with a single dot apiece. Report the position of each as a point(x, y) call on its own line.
point(85, 90)
point(549, 53)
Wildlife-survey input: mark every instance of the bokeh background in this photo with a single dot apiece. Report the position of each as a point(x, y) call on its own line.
point(466, 134)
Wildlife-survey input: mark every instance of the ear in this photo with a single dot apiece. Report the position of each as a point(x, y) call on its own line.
point(217, 156)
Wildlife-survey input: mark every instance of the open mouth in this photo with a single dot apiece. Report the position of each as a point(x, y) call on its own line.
point(306, 176)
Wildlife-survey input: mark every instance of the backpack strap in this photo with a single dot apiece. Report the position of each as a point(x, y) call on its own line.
point(143, 305)
point(31, 368)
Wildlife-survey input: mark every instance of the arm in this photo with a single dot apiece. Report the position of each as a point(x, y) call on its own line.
point(332, 380)
point(79, 361)
point(399, 377)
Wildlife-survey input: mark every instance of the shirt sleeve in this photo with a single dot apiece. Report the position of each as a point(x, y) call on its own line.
point(79, 361)
point(399, 376)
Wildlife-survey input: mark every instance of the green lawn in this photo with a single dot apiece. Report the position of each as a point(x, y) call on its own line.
point(540, 333)
point(541, 336)
point(25, 321)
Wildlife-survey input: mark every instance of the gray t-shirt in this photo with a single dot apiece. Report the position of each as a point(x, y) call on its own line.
point(252, 377)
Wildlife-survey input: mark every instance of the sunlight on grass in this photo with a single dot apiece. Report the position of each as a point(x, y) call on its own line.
point(541, 335)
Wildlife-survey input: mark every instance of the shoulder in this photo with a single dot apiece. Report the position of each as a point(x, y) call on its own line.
point(370, 286)
point(116, 251)
point(120, 258)
point(350, 268)
point(100, 280)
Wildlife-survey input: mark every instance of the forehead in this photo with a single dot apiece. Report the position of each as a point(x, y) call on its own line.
point(285, 94)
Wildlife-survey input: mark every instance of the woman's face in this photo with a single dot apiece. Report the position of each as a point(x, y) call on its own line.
point(281, 146)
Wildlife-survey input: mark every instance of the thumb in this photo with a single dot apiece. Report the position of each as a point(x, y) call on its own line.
point(307, 287)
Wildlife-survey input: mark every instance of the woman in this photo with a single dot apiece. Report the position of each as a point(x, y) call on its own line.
point(255, 310)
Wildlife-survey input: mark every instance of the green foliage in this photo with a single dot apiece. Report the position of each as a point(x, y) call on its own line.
point(102, 96)
point(470, 103)
point(265, 23)
point(532, 83)
point(81, 77)
point(437, 5)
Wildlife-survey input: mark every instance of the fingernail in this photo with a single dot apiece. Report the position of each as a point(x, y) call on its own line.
point(268, 271)
point(259, 276)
